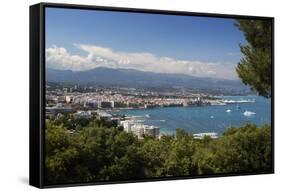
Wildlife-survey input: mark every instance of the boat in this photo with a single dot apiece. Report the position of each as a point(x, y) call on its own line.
point(249, 113)
point(228, 111)
point(239, 101)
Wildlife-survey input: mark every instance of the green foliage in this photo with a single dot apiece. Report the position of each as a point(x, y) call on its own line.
point(245, 149)
point(94, 153)
point(71, 122)
point(98, 153)
point(255, 67)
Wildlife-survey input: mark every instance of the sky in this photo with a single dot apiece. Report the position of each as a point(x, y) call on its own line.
point(85, 39)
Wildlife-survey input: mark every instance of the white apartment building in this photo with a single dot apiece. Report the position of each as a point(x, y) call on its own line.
point(127, 124)
point(140, 129)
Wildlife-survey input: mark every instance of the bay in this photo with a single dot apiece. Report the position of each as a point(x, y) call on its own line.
point(199, 119)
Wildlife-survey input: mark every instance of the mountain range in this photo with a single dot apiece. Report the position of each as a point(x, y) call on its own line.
point(136, 78)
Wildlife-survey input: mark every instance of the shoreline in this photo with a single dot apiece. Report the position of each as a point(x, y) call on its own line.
point(215, 118)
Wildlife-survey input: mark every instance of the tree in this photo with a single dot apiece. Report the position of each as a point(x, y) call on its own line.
point(245, 149)
point(59, 153)
point(155, 153)
point(255, 67)
point(179, 159)
point(99, 153)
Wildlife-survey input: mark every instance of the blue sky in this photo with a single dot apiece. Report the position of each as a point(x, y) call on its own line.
point(84, 39)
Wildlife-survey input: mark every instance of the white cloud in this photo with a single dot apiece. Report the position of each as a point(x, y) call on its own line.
point(60, 58)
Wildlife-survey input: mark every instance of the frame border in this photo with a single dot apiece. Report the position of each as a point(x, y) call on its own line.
point(40, 92)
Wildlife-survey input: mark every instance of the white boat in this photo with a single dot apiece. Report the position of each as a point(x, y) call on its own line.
point(249, 113)
point(239, 101)
point(217, 103)
point(228, 111)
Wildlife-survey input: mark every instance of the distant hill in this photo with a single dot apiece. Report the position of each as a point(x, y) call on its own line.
point(135, 78)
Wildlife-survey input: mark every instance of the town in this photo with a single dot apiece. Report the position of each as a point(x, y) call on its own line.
point(86, 101)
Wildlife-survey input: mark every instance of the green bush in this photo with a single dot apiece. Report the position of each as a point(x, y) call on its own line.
point(98, 153)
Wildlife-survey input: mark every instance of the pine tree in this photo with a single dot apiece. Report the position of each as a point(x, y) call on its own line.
point(255, 67)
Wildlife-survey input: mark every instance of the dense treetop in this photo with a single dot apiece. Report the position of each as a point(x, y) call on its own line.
point(100, 152)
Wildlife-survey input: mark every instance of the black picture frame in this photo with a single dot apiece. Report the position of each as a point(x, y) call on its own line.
point(37, 90)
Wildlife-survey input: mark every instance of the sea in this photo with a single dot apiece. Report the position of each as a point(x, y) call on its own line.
point(202, 119)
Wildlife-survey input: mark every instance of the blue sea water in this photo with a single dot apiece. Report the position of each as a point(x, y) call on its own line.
point(201, 119)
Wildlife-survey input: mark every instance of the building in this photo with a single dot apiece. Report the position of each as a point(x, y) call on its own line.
point(105, 104)
point(64, 90)
point(68, 99)
point(138, 130)
point(104, 116)
point(83, 114)
point(152, 131)
point(127, 124)
point(59, 108)
point(156, 132)
point(119, 104)
point(131, 126)
point(61, 99)
point(112, 104)
point(202, 135)
point(93, 104)
point(148, 130)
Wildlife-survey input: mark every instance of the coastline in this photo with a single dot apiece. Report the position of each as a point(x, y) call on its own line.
point(200, 119)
